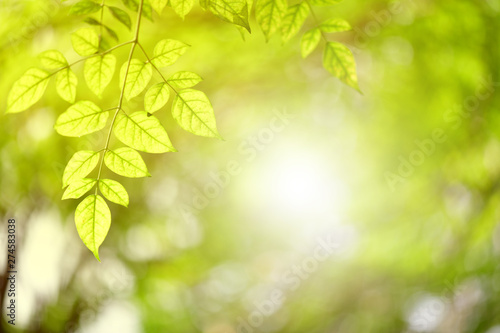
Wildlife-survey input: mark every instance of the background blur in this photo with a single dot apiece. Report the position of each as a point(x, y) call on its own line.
point(324, 210)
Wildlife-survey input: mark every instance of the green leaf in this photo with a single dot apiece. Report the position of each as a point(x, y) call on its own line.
point(324, 2)
point(98, 72)
point(293, 20)
point(339, 61)
point(52, 59)
point(84, 7)
point(309, 41)
point(66, 82)
point(93, 219)
point(167, 51)
point(156, 97)
point(269, 14)
point(78, 188)
point(184, 79)
point(79, 166)
point(91, 21)
point(111, 32)
point(133, 5)
point(158, 5)
point(114, 191)
point(82, 118)
point(126, 162)
point(121, 16)
point(335, 25)
point(85, 41)
point(142, 132)
point(194, 113)
point(139, 74)
point(182, 7)
point(27, 90)
point(232, 11)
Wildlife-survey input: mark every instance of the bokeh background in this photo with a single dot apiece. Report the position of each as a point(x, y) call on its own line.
point(323, 210)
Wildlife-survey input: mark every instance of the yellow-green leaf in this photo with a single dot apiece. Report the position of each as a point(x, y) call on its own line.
point(309, 41)
point(52, 59)
point(269, 14)
point(27, 90)
point(158, 5)
point(84, 7)
point(232, 11)
point(339, 61)
point(66, 82)
point(126, 162)
point(193, 111)
point(139, 74)
point(293, 20)
point(167, 51)
point(82, 118)
point(156, 97)
point(142, 132)
point(335, 25)
point(79, 166)
point(98, 72)
point(121, 16)
point(93, 219)
point(182, 7)
point(78, 188)
point(184, 79)
point(324, 2)
point(85, 41)
point(114, 191)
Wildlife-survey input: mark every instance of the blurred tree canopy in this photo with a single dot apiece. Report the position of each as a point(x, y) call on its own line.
point(323, 210)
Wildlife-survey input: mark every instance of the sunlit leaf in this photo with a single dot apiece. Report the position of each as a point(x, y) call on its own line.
point(339, 61)
point(98, 72)
point(114, 191)
point(121, 16)
point(139, 74)
point(78, 188)
point(79, 166)
point(158, 5)
point(182, 7)
point(309, 41)
point(126, 162)
point(85, 41)
point(293, 20)
point(335, 25)
point(167, 51)
point(52, 59)
point(84, 7)
point(93, 219)
point(269, 14)
point(193, 111)
point(232, 11)
point(82, 118)
point(27, 90)
point(142, 132)
point(66, 82)
point(184, 79)
point(156, 97)
point(133, 5)
point(324, 2)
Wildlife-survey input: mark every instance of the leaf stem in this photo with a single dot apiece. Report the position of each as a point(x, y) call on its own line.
point(134, 42)
point(316, 21)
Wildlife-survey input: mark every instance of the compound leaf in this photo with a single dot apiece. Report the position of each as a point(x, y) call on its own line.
point(232, 11)
point(98, 72)
point(335, 25)
point(156, 97)
point(27, 90)
point(85, 41)
point(194, 113)
point(269, 14)
point(139, 74)
point(126, 162)
point(114, 191)
point(339, 61)
point(84, 7)
point(167, 51)
point(82, 118)
point(79, 166)
point(309, 41)
point(93, 219)
point(52, 59)
point(184, 79)
point(78, 188)
point(66, 82)
point(121, 16)
point(133, 5)
point(142, 132)
point(293, 20)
